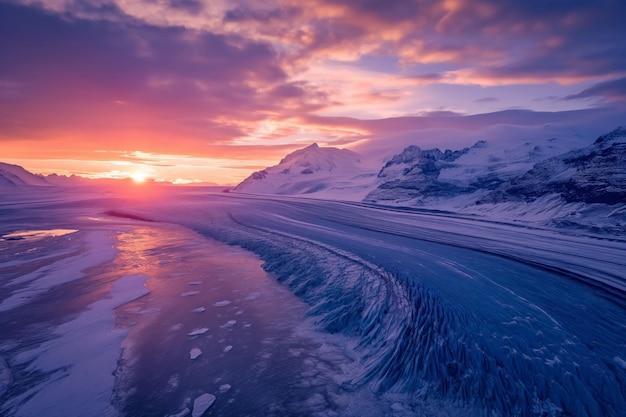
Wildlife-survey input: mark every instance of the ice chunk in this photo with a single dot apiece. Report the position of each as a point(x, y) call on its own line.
point(189, 293)
point(253, 296)
point(222, 303)
point(194, 353)
point(621, 362)
point(229, 323)
point(224, 388)
point(228, 348)
point(185, 411)
point(202, 403)
point(199, 310)
point(199, 331)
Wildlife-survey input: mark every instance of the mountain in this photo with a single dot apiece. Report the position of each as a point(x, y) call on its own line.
point(16, 177)
point(314, 170)
point(425, 177)
point(593, 174)
point(564, 181)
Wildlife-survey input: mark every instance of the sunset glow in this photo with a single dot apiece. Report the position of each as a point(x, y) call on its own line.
point(200, 91)
point(138, 177)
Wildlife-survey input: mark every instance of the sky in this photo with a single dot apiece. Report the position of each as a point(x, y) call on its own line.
point(188, 90)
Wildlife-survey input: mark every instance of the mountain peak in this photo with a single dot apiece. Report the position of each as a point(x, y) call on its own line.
point(618, 133)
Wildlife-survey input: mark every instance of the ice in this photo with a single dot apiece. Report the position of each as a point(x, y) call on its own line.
point(37, 234)
point(225, 388)
point(87, 345)
point(189, 293)
point(228, 349)
point(195, 353)
point(198, 310)
point(99, 249)
point(198, 331)
point(6, 376)
point(621, 362)
point(202, 403)
point(222, 303)
point(185, 411)
point(253, 296)
point(229, 323)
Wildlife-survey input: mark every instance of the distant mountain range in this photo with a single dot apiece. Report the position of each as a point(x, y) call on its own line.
point(547, 180)
point(555, 181)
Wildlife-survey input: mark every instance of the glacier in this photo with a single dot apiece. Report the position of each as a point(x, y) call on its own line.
point(480, 316)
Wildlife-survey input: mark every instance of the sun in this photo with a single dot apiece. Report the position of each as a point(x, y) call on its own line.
point(138, 177)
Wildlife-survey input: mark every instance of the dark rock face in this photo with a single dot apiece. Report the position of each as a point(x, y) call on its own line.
point(594, 174)
point(414, 173)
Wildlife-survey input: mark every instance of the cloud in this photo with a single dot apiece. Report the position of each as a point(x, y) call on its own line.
point(487, 100)
point(612, 91)
point(72, 74)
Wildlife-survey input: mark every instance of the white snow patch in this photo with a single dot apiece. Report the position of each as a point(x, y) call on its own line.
point(222, 303)
point(228, 349)
point(198, 310)
point(225, 388)
point(189, 293)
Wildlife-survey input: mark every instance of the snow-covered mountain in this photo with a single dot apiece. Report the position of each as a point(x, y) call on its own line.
point(562, 181)
point(16, 177)
point(593, 174)
point(314, 170)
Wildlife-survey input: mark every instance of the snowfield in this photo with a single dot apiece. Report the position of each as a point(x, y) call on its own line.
point(399, 311)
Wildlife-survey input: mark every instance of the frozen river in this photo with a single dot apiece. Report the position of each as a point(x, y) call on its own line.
point(304, 307)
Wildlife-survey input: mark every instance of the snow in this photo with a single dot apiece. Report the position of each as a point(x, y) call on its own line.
point(228, 348)
point(199, 310)
point(320, 172)
point(202, 403)
point(223, 303)
point(224, 388)
point(189, 293)
point(15, 177)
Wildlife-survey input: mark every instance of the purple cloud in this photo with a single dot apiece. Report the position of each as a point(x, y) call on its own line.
point(613, 90)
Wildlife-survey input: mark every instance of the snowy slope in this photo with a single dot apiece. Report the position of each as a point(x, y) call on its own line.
point(314, 171)
point(16, 177)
